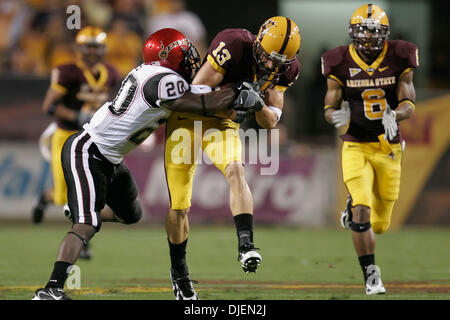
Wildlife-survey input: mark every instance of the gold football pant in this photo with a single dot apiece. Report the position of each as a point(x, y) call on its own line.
point(372, 178)
point(59, 184)
point(186, 136)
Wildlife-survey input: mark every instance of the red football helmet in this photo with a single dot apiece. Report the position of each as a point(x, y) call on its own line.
point(171, 49)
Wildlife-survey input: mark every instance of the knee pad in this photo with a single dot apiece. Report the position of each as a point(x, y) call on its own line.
point(360, 227)
point(79, 237)
point(380, 227)
point(84, 232)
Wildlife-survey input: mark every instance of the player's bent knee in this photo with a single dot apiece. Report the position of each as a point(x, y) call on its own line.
point(134, 213)
point(83, 231)
point(180, 213)
point(129, 213)
point(235, 171)
point(361, 214)
point(380, 227)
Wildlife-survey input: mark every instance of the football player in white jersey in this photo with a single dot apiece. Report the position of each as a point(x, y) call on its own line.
point(100, 186)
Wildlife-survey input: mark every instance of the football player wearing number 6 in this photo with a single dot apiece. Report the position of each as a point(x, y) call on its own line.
point(99, 186)
point(269, 61)
point(374, 76)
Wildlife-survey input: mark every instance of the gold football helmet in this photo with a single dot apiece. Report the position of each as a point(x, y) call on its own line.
point(369, 29)
point(91, 42)
point(277, 45)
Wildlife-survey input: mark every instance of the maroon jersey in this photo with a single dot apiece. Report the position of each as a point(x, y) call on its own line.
point(231, 53)
point(77, 82)
point(369, 88)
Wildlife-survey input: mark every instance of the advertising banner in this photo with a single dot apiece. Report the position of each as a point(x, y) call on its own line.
point(301, 193)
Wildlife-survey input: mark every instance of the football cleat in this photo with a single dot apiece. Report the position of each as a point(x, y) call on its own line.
point(374, 285)
point(248, 257)
point(182, 286)
point(50, 294)
point(347, 215)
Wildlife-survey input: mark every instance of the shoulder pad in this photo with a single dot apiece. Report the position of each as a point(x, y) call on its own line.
point(407, 51)
point(332, 58)
point(403, 49)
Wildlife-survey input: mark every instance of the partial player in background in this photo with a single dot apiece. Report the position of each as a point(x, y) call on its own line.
point(374, 76)
point(76, 91)
point(100, 187)
point(268, 61)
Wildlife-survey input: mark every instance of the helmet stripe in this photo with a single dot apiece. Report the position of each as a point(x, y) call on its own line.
point(286, 37)
point(369, 15)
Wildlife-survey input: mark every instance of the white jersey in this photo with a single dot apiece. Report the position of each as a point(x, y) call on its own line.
point(121, 125)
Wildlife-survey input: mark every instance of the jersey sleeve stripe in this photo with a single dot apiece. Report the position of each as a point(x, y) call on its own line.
point(336, 79)
point(61, 89)
point(406, 71)
point(150, 89)
point(281, 88)
point(215, 65)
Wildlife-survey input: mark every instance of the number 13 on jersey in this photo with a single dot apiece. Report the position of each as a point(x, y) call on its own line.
point(221, 53)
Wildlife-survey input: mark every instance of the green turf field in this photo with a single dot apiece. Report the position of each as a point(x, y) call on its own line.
point(131, 262)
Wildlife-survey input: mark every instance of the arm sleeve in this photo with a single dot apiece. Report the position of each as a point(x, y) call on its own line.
point(60, 79)
point(288, 78)
point(162, 87)
point(412, 56)
point(409, 54)
point(224, 51)
point(329, 62)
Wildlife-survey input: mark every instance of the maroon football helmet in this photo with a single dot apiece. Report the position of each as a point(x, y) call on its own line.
point(171, 49)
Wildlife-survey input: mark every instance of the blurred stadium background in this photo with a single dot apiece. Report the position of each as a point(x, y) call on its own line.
point(307, 191)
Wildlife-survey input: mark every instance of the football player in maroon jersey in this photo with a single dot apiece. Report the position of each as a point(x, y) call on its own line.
point(269, 60)
point(374, 78)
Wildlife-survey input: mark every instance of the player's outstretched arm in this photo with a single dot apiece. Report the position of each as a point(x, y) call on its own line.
point(406, 95)
point(207, 104)
point(207, 75)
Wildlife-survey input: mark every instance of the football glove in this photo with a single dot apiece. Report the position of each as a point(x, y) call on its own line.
point(389, 123)
point(341, 117)
point(244, 85)
point(248, 101)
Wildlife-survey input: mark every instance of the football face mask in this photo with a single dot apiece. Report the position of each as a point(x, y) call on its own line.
point(369, 29)
point(368, 39)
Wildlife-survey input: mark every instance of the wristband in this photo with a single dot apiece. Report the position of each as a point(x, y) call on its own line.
point(408, 100)
point(277, 111)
